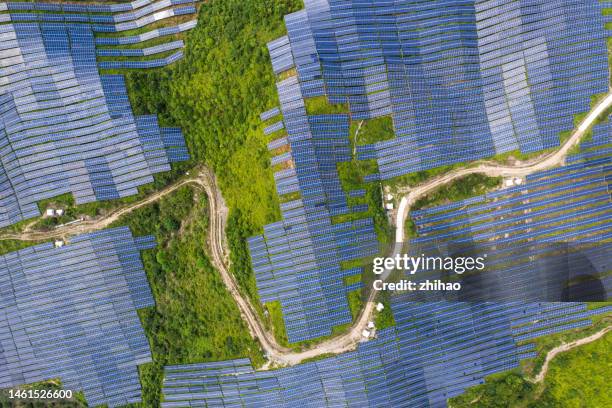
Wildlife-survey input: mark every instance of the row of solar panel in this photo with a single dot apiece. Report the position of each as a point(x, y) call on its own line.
point(62, 108)
point(110, 18)
point(149, 35)
point(154, 63)
point(398, 366)
point(61, 299)
point(582, 38)
point(85, 8)
point(134, 52)
point(96, 20)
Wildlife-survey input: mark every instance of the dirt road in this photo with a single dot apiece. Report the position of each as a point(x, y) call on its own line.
point(277, 354)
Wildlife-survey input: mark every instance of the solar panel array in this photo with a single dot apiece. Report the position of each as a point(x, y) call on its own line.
point(437, 349)
point(422, 63)
point(70, 312)
point(64, 128)
point(435, 352)
point(297, 260)
point(98, 19)
point(541, 234)
point(569, 203)
point(461, 80)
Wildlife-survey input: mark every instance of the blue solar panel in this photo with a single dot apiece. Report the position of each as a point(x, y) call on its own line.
point(523, 70)
point(70, 312)
point(74, 130)
point(297, 261)
point(435, 352)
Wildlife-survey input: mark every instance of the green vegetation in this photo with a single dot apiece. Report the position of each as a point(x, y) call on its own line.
point(576, 378)
point(10, 245)
point(418, 177)
point(278, 324)
point(384, 318)
point(216, 94)
point(355, 303)
point(581, 377)
point(546, 343)
point(373, 130)
point(319, 105)
point(195, 318)
point(349, 280)
point(410, 228)
point(460, 189)
point(500, 390)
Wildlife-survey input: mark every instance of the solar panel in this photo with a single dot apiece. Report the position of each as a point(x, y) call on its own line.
point(435, 351)
point(70, 312)
point(523, 69)
point(72, 130)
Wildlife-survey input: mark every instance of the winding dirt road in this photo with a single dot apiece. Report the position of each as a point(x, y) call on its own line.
point(277, 354)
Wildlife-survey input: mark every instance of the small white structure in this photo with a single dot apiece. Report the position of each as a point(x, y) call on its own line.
point(518, 181)
point(365, 333)
point(59, 212)
point(379, 307)
point(58, 243)
point(389, 206)
point(50, 212)
point(509, 182)
point(389, 197)
point(370, 325)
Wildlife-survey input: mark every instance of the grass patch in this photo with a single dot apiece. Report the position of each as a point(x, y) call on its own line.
point(216, 93)
point(355, 303)
point(349, 280)
point(319, 105)
point(373, 130)
point(581, 377)
point(277, 322)
point(10, 245)
point(460, 189)
point(419, 177)
point(384, 318)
